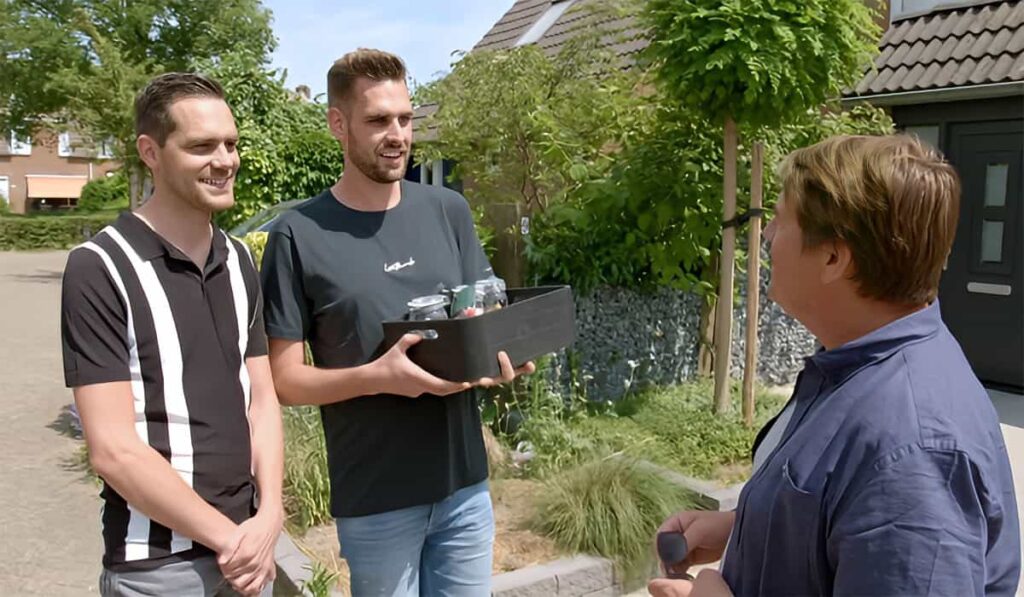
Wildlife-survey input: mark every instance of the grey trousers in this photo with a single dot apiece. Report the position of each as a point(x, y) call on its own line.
point(200, 577)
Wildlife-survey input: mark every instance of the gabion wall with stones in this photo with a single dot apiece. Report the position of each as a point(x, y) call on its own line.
point(782, 341)
point(626, 340)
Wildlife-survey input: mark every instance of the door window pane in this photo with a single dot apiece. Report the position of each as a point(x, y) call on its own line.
point(991, 242)
point(995, 185)
point(928, 134)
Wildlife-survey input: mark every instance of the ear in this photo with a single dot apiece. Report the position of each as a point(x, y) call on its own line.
point(338, 123)
point(837, 262)
point(148, 150)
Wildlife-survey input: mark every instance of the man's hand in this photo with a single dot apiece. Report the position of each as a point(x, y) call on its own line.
point(706, 535)
point(249, 565)
point(400, 376)
point(709, 583)
point(508, 372)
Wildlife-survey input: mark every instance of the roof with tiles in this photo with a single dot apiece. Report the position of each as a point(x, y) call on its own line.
point(622, 34)
point(953, 47)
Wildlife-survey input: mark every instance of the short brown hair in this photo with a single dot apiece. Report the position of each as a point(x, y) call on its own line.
point(894, 201)
point(375, 65)
point(152, 105)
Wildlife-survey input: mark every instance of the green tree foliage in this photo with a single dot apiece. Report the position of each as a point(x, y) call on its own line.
point(655, 219)
point(762, 62)
point(770, 65)
point(80, 62)
point(527, 128)
point(285, 147)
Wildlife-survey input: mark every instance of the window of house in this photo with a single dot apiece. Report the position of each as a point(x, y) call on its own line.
point(432, 173)
point(557, 9)
point(903, 8)
point(928, 133)
point(105, 149)
point(20, 145)
point(64, 148)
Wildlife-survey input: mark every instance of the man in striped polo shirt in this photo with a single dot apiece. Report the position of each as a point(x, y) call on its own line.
point(164, 347)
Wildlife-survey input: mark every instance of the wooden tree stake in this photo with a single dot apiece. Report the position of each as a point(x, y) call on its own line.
point(753, 281)
point(723, 325)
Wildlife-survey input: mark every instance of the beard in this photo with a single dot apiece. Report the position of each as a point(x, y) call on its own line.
point(371, 165)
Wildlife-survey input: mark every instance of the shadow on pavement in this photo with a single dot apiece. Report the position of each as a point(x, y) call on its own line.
point(67, 423)
point(40, 277)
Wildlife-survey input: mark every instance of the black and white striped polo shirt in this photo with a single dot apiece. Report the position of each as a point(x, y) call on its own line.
point(137, 309)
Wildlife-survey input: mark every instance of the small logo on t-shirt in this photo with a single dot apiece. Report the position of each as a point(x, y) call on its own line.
point(394, 267)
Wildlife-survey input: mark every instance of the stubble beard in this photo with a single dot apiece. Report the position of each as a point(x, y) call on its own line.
point(374, 170)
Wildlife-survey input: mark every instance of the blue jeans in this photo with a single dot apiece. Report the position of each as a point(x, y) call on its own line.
point(441, 549)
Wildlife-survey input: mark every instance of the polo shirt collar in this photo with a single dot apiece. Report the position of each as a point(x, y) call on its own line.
point(150, 245)
point(843, 361)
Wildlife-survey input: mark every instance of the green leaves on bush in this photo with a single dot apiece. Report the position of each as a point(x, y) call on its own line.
point(670, 426)
point(257, 241)
point(610, 507)
point(285, 148)
point(654, 220)
point(20, 233)
point(104, 192)
point(524, 127)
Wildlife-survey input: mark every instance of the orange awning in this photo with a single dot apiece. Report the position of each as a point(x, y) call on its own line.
point(55, 187)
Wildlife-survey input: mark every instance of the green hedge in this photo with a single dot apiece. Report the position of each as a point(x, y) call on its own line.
point(22, 233)
point(104, 192)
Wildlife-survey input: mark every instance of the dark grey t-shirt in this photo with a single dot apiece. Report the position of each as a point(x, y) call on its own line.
point(331, 275)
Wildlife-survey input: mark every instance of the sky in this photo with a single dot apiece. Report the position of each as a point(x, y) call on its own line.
point(313, 33)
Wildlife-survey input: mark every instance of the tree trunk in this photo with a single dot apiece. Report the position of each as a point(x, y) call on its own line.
point(753, 282)
point(136, 176)
point(510, 258)
point(723, 326)
point(706, 347)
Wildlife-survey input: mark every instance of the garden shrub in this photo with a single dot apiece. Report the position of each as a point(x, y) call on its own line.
point(610, 507)
point(307, 485)
point(104, 192)
point(671, 427)
point(22, 233)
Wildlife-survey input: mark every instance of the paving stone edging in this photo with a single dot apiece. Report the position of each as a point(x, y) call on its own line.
point(294, 568)
point(579, 576)
point(709, 495)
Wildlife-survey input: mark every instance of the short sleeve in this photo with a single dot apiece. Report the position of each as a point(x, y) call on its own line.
point(917, 527)
point(94, 323)
point(285, 310)
point(256, 345)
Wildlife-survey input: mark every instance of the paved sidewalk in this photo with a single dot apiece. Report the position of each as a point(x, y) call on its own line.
point(49, 522)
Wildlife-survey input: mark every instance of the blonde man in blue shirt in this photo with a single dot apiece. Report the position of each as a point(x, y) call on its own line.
point(886, 473)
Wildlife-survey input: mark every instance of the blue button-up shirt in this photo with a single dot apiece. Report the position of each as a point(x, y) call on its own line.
point(892, 478)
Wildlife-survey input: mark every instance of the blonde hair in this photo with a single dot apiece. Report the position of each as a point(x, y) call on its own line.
point(375, 65)
point(892, 200)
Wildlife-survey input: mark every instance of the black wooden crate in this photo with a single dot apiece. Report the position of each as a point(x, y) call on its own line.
point(537, 321)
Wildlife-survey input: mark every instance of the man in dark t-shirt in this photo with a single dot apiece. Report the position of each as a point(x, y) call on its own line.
point(405, 452)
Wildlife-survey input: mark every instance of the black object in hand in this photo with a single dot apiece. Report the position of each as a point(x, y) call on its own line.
point(672, 550)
